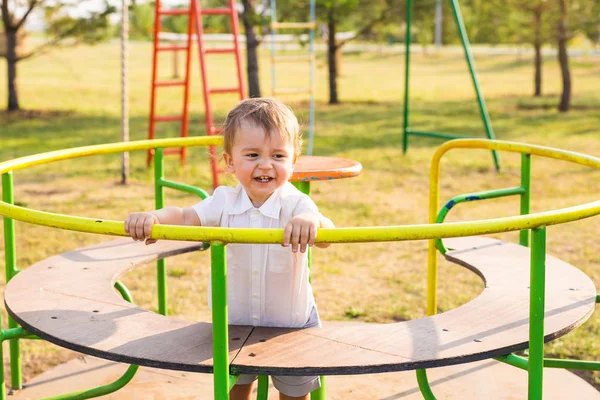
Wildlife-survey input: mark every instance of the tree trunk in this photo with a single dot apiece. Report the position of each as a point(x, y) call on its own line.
point(251, 50)
point(563, 58)
point(332, 49)
point(11, 60)
point(537, 45)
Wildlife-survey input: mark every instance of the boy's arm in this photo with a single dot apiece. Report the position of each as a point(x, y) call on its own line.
point(138, 225)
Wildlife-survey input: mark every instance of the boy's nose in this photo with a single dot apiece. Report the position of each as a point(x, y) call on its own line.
point(265, 163)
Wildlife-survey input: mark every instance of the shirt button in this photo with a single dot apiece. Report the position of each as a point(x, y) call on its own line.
point(255, 272)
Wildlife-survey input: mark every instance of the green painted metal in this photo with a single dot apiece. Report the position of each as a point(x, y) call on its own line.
point(184, 188)
point(521, 362)
point(263, 387)
point(321, 392)
point(10, 256)
point(598, 298)
point(424, 385)
point(526, 195)
point(536, 313)
point(439, 135)
point(471, 63)
point(514, 360)
point(159, 200)
point(488, 194)
point(407, 42)
point(472, 71)
point(232, 380)
point(219, 320)
point(303, 186)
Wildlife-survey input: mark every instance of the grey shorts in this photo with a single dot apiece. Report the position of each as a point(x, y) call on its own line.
point(293, 386)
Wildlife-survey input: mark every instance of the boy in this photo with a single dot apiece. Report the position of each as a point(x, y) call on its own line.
point(267, 284)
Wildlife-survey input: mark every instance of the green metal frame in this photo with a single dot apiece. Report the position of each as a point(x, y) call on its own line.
point(407, 131)
point(536, 362)
point(224, 377)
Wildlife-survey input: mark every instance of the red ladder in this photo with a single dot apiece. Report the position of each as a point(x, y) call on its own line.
point(194, 13)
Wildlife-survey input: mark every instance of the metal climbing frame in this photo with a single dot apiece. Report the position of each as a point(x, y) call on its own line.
point(309, 26)
point(407, 131)
point(194, 14)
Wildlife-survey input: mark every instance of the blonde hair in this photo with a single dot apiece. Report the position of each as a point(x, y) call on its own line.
point(271, 115)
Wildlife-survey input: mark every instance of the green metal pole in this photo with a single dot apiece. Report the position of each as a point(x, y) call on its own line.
point(424, 385)
point(321, 392)
point(263, 387)
point(407, 40)
point(526, 195)
point(159, 199)
point(219, 320)
point(10, 255)
point(471, 62)
point(536, 313)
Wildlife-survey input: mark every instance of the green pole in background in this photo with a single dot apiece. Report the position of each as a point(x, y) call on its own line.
point(480, 100)
point(10, 251)
point(159, 198)
point(536, 313)
point(526, 195)
point(219, 320)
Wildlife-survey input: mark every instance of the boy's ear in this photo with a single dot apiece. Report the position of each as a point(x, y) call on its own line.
point(228, 162)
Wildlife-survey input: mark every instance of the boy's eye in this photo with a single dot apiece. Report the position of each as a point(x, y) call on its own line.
point(252, 155)
point(279, 156)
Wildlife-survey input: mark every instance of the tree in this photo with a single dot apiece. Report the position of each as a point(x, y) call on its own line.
point(91, 29)
point(251, 18)
point(362, 16)
point(563, 57)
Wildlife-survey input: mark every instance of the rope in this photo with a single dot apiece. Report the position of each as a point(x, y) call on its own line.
point(124, 89)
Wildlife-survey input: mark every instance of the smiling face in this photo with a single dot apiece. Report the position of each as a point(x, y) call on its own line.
point(262, 163)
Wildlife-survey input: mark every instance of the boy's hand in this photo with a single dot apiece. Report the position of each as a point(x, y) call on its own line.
point(301, 231)
point(138, 225)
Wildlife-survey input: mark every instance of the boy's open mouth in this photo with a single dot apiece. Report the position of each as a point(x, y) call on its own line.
point(263, 179)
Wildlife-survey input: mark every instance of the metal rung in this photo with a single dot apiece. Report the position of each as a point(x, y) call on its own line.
point(168, 118)
point(172, 48)
point(169, 83)
point(174, 12)
point(224, 90)
point(293, 58)
point(216, 51)
point(293, 25)
point(215, 11)
point(214, 130)
point(173, 151)
point(292, 90)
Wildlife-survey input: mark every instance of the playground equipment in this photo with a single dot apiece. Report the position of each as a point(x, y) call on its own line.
point(407, 130)
point(530, 297)
point(194, 14)
point(309, 26)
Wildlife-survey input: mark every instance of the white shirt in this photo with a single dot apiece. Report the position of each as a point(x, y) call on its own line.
point(267, 284)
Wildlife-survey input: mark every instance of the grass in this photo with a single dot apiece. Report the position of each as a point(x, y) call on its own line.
point(73, 98)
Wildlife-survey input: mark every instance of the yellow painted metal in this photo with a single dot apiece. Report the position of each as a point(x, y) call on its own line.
point(555, 217)
point(338, 235)
point(78, 152)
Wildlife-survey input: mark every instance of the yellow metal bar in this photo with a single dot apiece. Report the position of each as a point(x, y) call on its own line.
point(78, 152)
point(434, 177)
point(293, 25)
point(337, 235)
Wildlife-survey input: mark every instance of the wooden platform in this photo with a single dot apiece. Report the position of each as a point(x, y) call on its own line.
point(69, 300)
point(486, 379)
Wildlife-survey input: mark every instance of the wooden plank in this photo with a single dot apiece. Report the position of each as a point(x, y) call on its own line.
point(494, 323)
point(69, 300)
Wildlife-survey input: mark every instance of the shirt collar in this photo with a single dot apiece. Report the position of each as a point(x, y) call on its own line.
point(270, 208)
